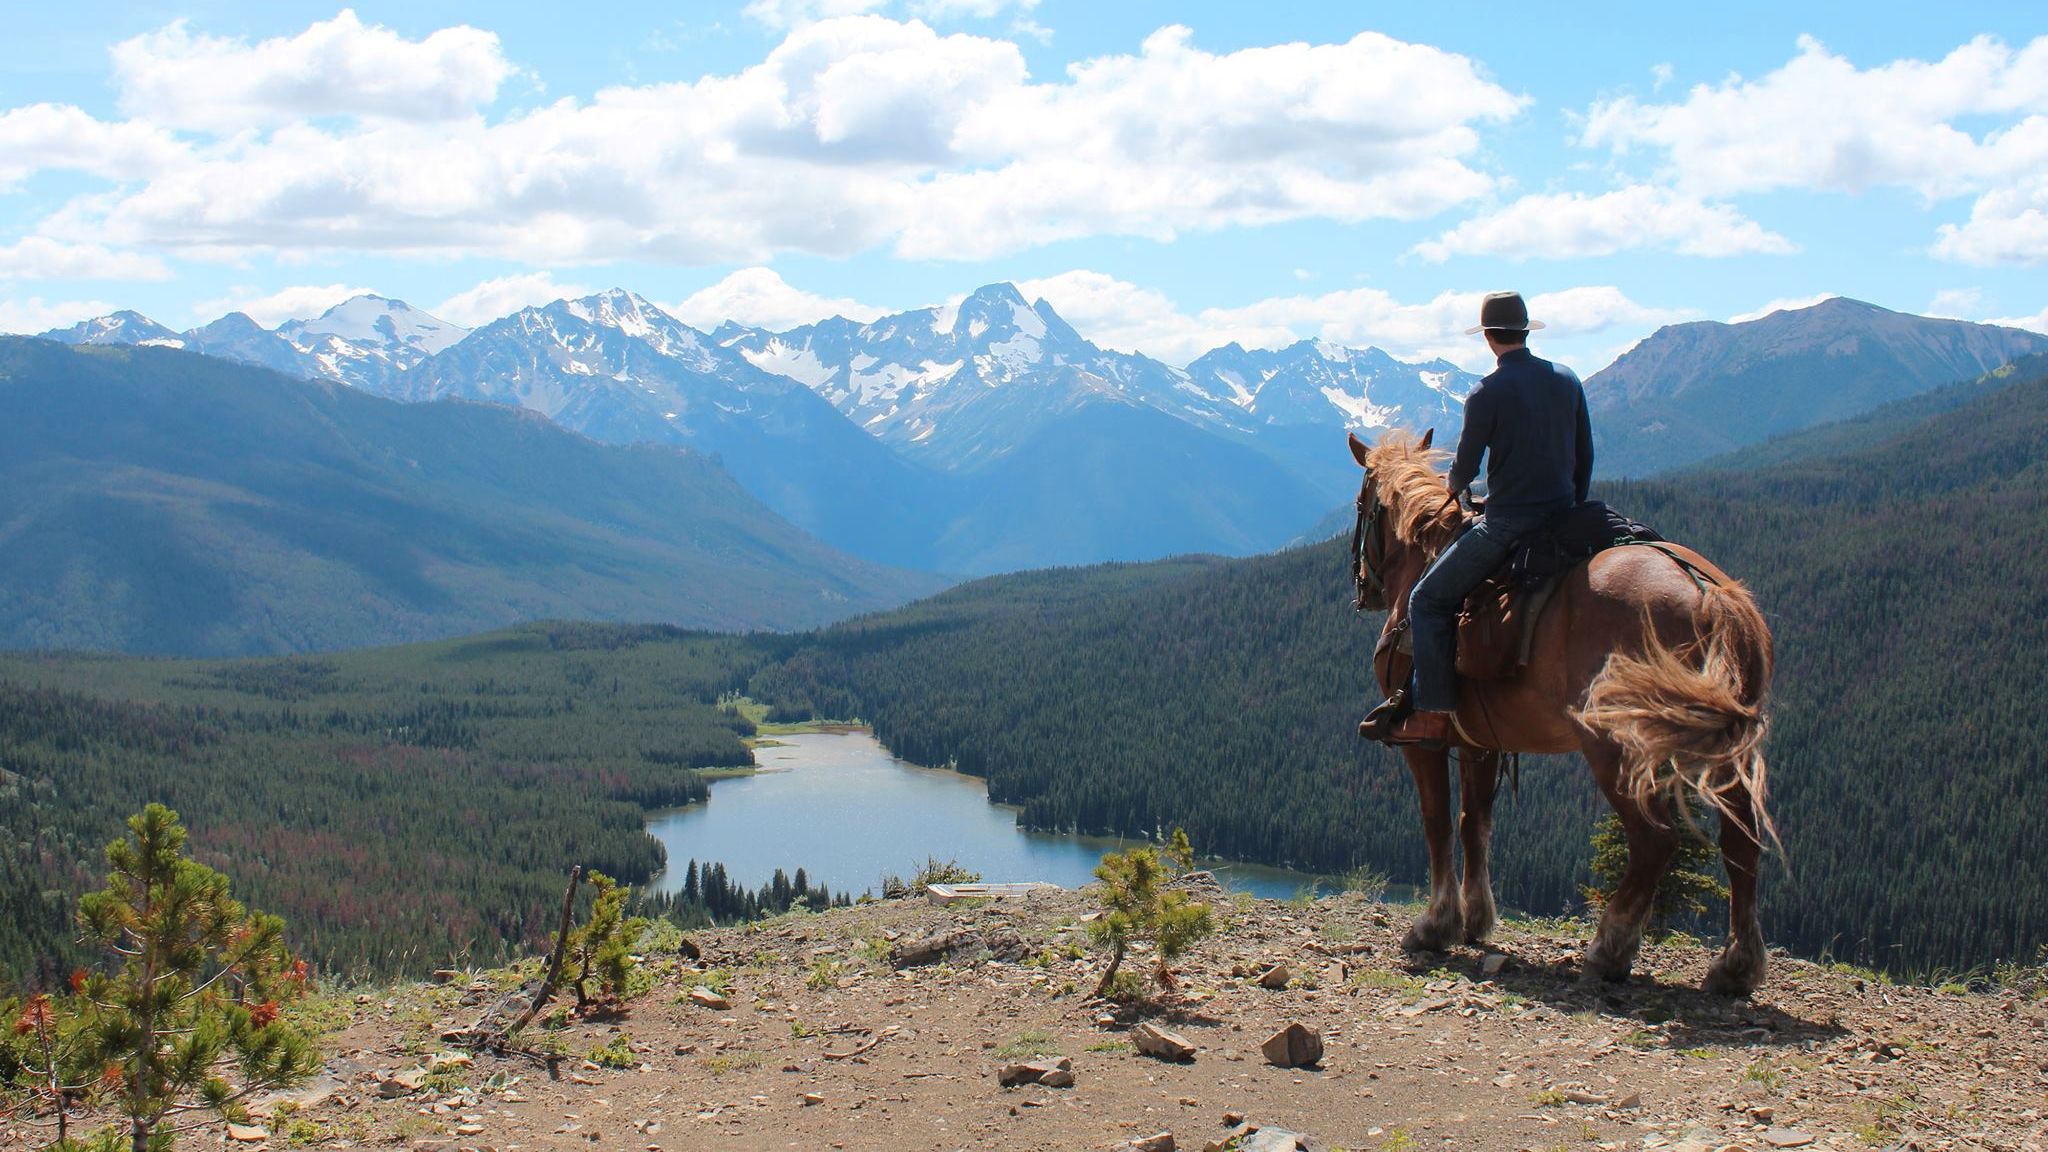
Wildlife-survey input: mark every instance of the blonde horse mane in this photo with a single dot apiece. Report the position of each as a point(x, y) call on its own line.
point(1406, 474)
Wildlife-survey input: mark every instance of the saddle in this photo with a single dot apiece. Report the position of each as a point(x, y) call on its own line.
point(1497, 627)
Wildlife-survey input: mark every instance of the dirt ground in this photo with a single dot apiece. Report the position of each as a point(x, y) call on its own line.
point(825, 1044)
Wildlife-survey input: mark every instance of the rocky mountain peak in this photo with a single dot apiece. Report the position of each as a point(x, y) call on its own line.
point(123, 327)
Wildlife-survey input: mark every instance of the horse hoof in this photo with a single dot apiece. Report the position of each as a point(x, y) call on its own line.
point(1476, 936)
point(1735, 981)
point(1599, 968)
point(1429, 939)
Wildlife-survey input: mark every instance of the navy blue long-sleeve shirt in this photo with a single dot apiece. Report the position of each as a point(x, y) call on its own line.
point(1528, 418)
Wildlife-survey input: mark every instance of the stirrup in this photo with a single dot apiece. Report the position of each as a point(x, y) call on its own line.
point(1380, 722)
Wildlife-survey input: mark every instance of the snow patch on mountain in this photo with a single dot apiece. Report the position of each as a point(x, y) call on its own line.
point(375, 322)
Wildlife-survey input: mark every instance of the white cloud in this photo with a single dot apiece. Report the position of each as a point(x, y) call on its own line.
point(1955, 303)
point(1660, 75)
point(1572, 225)
point(968, 9)
point(784, 14)
point(852, 134)
point(2038, 322)
point(503, 295)
point(41, 258)
point(1821, 122)
point(60, 137)
point(781, 15)
point(2006, 226)
point(759, 298)
point(1118, 314)
point(1973, 123)
point(1782, 304)
point(1177, 138)
point(338, 67)
point(32, 316)
point(299, 302)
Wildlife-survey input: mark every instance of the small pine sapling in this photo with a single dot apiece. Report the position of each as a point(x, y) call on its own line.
point(603, 947)
point(1180, 853)
point(1137, 906)
point(1685, 889)
point(190, 1021)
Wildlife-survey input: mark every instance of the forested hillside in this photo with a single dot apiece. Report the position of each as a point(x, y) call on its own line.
point(1899, 563)
point(399, 807)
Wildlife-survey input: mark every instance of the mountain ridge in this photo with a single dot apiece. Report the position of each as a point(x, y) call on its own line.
point(1664, 403)
point(161, 501)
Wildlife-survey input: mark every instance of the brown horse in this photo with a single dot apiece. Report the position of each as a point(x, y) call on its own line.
point(1656, 675)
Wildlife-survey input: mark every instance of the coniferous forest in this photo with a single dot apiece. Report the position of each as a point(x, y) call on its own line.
point(403, 807)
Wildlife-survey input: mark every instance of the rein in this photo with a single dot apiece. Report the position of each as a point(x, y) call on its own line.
point(1368, 550)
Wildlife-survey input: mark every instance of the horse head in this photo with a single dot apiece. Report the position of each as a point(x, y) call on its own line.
point(1371, 541)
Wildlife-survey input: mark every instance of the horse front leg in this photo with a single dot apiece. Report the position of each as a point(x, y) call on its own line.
point(1739, 970)
point(1478, 780)
point(1442, 925)
point(1651, 845)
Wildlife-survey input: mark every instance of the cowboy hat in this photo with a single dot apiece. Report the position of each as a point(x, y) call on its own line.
point(1504, 310)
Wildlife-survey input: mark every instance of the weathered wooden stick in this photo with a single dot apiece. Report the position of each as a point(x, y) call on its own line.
point(547, 989)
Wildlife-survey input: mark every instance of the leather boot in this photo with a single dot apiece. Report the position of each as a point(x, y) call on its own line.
point(1379, 723)
point(1424, 729)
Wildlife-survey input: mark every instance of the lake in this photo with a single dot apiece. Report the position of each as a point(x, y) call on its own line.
point(839, 806)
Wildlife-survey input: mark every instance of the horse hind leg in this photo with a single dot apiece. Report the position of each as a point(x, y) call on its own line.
point(1739, 970)
point(1478, 781)
point(1442, 924)
point(1651, 845)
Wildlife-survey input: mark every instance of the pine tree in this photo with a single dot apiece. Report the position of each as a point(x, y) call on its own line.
point(190, 1020)
point(603, 947)
point(1137, 906)
point(1685, 888)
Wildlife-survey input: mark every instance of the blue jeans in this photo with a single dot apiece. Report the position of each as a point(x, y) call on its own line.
point(1434, 602)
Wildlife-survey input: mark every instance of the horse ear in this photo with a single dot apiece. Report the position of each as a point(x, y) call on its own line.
point(1358, 448)
point(1426, 438)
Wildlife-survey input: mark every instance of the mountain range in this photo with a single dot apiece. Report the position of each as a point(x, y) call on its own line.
point(989, 434)
point(1692, 391)
point(156, 501)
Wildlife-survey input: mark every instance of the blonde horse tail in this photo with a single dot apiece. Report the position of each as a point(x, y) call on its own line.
point(1691, 716)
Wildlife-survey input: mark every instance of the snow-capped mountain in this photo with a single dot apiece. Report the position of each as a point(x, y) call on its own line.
point(123, 327)
point(1315, 382)
point(618, 369)
point(611, 366)
point(368, 341)
point(965, 387)
point(960, 387)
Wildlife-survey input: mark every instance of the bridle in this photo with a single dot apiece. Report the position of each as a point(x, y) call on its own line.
point(1369, 549)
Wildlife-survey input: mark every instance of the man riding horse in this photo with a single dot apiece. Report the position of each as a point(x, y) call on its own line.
point(1650, 662)
point(1528, 419)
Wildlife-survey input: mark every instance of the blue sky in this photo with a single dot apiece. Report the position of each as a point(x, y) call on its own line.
point(1170, 176)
